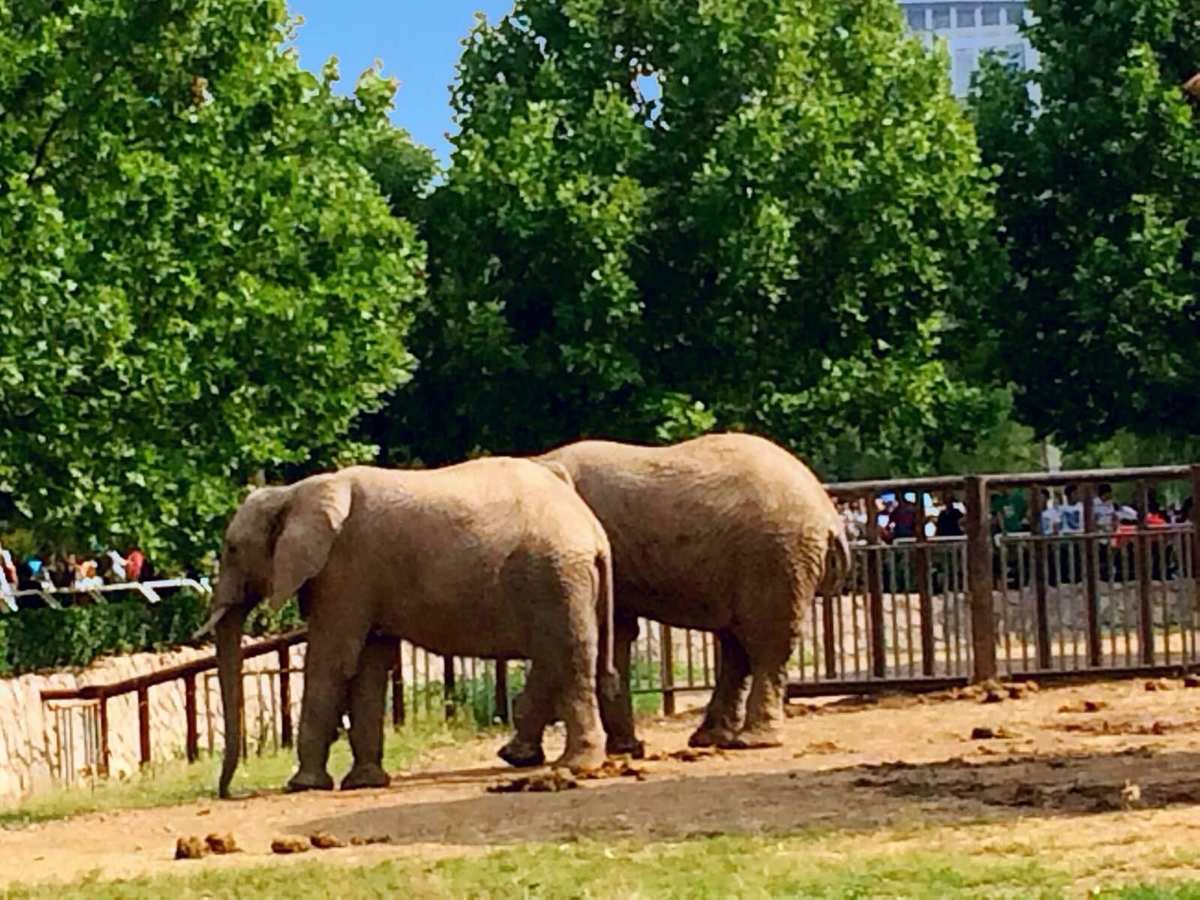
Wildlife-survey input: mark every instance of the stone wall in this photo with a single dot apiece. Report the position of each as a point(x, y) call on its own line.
point(44, 744)
point(56, 743)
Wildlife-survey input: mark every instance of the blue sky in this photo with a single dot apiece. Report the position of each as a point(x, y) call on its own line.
point(417, 40)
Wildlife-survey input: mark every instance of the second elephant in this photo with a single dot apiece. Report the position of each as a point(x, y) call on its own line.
point(726, 533)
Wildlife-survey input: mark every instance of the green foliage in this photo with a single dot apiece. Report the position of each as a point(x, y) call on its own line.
point(201, 279)
point(36, 639)
point(1099, 205)
point(666, 217)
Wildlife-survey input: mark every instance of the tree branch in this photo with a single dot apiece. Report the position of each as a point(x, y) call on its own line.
point(39, 156)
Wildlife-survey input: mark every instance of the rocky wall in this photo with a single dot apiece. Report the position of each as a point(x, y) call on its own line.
point(44, 744)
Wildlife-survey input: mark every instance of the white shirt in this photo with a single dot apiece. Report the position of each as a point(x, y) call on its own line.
point(118, 565)
point(1106, 513)
point(1050, 520)
point(5, 560)
point(1070, 517)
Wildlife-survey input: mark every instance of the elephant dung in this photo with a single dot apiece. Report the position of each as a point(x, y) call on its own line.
point(289, 845)
point(357, 841)
point(614, 768)
point(551, 782)
point(984, 733)
point(190, 848)
point(324, 841)
point(221, 844)
point(687, 755)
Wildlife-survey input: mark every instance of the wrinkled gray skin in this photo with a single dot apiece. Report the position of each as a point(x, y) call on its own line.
point(727, 533)
point(495, 558)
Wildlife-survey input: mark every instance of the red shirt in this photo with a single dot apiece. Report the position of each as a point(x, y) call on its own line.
point(133, 564)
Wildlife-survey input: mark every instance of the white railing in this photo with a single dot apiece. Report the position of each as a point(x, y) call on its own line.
point(148, 589)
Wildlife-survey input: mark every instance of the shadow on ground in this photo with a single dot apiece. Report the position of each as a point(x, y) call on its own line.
point(859, 797)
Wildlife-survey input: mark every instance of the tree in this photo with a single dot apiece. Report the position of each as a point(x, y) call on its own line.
point(201, 280)
point(1098, 323)
point(671, 216)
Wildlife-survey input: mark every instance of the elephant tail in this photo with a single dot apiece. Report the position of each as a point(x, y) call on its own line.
point(839, 562)
point(609, 683)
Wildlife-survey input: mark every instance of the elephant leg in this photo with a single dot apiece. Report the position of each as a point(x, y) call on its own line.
point(330, 658)
point(723, 715)
point(532, 712)
point(616, 712)
point(578, 706)
point(368, 696)
point(764, 707)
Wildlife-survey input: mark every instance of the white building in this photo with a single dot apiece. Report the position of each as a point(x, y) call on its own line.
point(972, 29)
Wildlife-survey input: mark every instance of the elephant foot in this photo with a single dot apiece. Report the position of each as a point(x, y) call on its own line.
point(753, 739)
point(305, 781)
point(366, 775)
point(581, 761)
point(522, 755)
point(631, 747)
point(711, 737)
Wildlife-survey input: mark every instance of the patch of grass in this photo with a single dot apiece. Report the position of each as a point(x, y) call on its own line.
point(166, 784)
point(715, 867)
point(1184, 890)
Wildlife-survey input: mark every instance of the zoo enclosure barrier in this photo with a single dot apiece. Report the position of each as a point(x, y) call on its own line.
point(927, 613)
point(914, 614)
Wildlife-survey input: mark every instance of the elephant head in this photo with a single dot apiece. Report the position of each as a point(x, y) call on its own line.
point(278, 539)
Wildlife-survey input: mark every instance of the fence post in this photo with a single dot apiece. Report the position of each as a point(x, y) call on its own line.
point(1041, 611)
point(925, 595)
point(875, 589)
point(667, 657)
point(104, 754)
point(1091, 575)
point(501, 698)
point(1145, 601)
point(285, 696)
point(189, 709)
point(1195, 518)
point(979, 579)
point(143, 706)
point(448, 685)
point(830, 638)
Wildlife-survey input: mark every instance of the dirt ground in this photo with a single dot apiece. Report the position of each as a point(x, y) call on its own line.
point(1106, 776)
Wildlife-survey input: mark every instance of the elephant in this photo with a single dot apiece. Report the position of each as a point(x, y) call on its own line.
point(492, 558)
point(727, 533)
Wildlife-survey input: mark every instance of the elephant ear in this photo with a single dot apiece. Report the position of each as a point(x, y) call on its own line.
point(311, 524)
point(559, 470)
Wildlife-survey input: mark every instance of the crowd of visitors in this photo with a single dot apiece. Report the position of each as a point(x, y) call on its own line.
point(898, 516)
point(47, 571)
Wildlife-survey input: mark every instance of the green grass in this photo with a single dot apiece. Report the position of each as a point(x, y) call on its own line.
point(1184, 890)
point(169, 783)
point(714, 867)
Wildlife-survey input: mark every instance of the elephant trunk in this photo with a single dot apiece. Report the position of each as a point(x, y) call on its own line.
point(229, 670)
